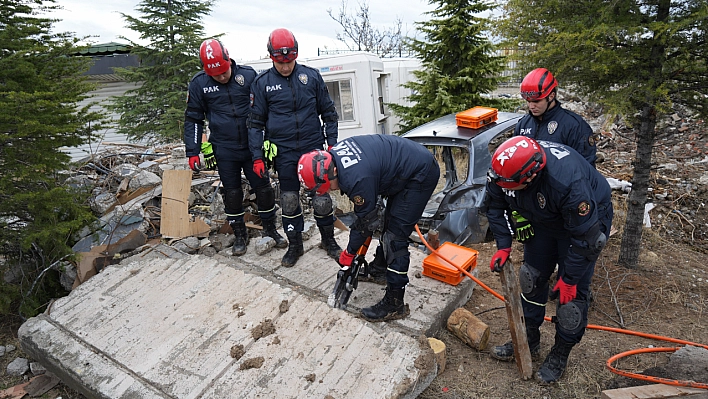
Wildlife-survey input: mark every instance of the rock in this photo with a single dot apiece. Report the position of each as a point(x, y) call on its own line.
point(309, 230)
point(264, 245)
point(18, 367)
point(68, 276)
point(188, 245)
point(144, 179)
point(37, 368)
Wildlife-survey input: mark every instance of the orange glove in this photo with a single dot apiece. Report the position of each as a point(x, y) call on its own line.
point(346, 259)
point(499, 259)
point(259, 168)
point(194, 162)
point(567, 292)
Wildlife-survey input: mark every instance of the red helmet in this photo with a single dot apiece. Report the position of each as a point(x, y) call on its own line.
point(215, 59)
point(315, 170)
point(282, 45)
point(538, 84)
point(515, 160)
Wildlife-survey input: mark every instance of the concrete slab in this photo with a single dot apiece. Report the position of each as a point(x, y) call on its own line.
point(170, 325)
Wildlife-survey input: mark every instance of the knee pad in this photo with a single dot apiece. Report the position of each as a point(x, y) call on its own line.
point(570, 317)
point(394, 247)
point(265, 198)
point(233, 198)
point(528, 279)
point(289, 201)
point(322, 205)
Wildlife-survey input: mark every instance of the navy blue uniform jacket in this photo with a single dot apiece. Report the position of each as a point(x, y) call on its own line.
point(289, 108)
point(373, 165)
point(568, 196)
point(225, 106)
point(561, 126)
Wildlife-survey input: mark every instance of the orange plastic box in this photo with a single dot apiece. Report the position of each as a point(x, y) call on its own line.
point(476, 117)
point(435, 267)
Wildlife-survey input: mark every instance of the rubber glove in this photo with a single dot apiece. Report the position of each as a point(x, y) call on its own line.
point(567, 291)
point(195, 163)
point(499, 259)
point(259, 168)
point(346, 259)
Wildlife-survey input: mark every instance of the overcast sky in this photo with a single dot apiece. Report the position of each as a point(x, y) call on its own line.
point(246, 24)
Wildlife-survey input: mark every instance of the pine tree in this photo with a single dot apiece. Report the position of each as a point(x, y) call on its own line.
point(636, 58)
point(41, 85)
point(458, 63)
point(154, 111)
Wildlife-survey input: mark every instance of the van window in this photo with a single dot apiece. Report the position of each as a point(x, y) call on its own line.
point(341, 93)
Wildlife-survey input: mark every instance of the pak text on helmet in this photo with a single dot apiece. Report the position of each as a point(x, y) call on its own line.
point(282, 46)
point(315, 171)
point(538, 84)
point(515, 160)
point(215, 59)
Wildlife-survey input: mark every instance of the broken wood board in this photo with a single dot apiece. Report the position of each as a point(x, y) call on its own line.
point(655, 391)
point(175, 220)
point(517, 325)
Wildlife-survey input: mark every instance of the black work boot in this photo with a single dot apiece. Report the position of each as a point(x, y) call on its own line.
point(505, 352)
point(329, 243)
point(377, 269)
point(295, 249)
point(242, 238)
point(391, 307)
point(269, 230)
point(553, 367)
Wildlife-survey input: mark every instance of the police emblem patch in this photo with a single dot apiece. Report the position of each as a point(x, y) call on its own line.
point(303, 78)
point(591, 140)
point(552, 126)
point(240, 79)
point(584, 208)
point(358, 200)
point(541, 200)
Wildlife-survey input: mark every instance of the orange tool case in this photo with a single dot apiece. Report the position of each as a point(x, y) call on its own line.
point(476, 117)
point(435, 267)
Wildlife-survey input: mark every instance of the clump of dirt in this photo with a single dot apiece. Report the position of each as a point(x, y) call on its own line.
point(237, 351)
point(264, 329)
point(254, 363)
point(310, 377)
point(284, 306)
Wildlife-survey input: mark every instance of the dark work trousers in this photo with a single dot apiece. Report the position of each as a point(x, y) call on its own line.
point(403, 210)
point(230, 164)
point(543, 251)
point(286, 166)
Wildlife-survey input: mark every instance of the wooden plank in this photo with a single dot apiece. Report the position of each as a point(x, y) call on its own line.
point(655, 391)
point(517, 325)
point(174, 218)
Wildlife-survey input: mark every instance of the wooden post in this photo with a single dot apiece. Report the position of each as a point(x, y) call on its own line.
point(467, 327)
point(434, 238)
point(517, 325)
point(439, 351)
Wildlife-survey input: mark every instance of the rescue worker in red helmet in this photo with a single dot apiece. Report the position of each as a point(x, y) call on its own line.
point(291, 114)
point(569, 204)
point(220, 95)
point(548, 120)
point(363, 168)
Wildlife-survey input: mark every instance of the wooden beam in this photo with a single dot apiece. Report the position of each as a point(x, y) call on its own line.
point(517, 325)
point(655, 391)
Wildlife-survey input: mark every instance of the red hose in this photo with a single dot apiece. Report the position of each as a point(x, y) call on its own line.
point(614, 358)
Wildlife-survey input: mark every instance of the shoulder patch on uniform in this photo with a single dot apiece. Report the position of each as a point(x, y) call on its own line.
point(358, 200)
point(303, 78)
point(591, 140)
point(584, 208)
point(552, 126)
point(541, 200)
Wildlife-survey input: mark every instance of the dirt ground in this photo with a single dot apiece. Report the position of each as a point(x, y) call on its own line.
point(667, 295)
